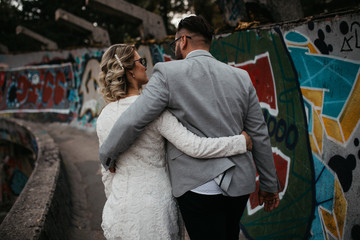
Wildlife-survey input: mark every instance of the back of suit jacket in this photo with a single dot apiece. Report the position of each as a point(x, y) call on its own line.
point(211, 99)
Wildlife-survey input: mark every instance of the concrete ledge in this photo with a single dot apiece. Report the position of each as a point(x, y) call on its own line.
point(42, 210)
point(46, 44)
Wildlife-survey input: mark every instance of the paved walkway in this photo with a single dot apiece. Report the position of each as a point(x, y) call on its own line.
point(79, 151)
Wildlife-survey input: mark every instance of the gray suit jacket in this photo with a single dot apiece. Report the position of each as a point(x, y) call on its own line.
point(211, 99)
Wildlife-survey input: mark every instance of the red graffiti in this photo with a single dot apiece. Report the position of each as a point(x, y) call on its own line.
point(281, 166)
point(2, 85)
point(33, 94)
point(2, 79)
point(53, 90)
point(167, 58)
point(35, 88)
point(22, 88)
point(261, 75)
point(29, 92)
point(262, 78)
point(59, 93)
point(48, 87)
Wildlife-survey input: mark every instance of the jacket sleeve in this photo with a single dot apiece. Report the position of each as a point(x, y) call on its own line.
point(255, 126)
point(195, 146)
point(147, 107)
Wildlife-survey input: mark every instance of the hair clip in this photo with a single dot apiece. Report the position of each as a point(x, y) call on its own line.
point(118, 59)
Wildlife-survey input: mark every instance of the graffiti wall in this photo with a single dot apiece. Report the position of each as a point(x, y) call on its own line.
point(264, 55)
point(326, 56)
point(307, 79)
point(18, 151)
point(52, 86)
point(56, 86)
point(36, 89)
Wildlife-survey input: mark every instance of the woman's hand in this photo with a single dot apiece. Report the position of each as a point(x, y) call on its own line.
point(248, 141)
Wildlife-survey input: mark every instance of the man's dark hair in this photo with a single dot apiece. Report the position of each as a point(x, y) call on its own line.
point(197, 24)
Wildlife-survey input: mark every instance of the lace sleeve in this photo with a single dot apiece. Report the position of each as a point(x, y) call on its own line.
point(103, 127)
point(195, 146)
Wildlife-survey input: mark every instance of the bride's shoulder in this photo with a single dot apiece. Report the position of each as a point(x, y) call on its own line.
point(110, 109)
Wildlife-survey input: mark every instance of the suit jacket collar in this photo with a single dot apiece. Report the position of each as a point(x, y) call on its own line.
point(197, 53)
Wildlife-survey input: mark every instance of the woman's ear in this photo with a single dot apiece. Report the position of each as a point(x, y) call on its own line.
point(132, 74)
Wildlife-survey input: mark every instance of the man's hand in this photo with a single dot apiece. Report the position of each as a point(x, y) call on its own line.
point(248, 141)
point(271, 200)
point(112, 169)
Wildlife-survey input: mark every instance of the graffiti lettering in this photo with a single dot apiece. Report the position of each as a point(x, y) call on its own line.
point(22, 88)
point(48, 86)
point(352, 40)
point(263, 81)
point(29, 93)
point(54, 89)
point(282, 165)
point(280, 130)
point(36, 89)
point(59, 87)
point(92, 101)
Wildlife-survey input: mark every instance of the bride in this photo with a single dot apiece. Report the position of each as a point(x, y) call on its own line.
point(139, 201)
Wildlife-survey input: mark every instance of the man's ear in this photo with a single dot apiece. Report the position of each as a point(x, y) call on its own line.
point(184, 43)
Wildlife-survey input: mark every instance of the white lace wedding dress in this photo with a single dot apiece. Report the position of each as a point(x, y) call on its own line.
point(139, 201)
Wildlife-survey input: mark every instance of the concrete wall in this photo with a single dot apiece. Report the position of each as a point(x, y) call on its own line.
point(55, 86)
point(42, 210)
point(307, 79)
point(326, 56)
point(18, 151)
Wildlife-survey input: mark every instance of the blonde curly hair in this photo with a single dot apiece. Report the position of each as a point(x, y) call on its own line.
point(112, 77)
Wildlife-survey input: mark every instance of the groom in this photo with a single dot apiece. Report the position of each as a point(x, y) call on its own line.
point(211, 99)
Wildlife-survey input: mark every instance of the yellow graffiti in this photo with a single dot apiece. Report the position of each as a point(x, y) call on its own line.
point(311, 47)
point(334, 222)
point(341, 129)
point(333, 129)
point(351, 115)
point(340, 207)
point(329, 223)
point(315, 96)
point(316, 137)
point(338, 129)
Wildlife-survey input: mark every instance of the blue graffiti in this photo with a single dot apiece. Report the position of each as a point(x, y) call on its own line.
point(157, 53)
point(296, 37)
point(335, 76)
point(324, 183)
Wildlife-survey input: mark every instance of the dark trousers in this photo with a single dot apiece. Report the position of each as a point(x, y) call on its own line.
point(212, 216)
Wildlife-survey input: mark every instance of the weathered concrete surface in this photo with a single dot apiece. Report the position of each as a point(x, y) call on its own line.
point(55, 210)
point(84, 196)
point(42, 210)
point(3, 48)
point(97, 34)
point(79, 151)
point(152, 25)
point(47, 44)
